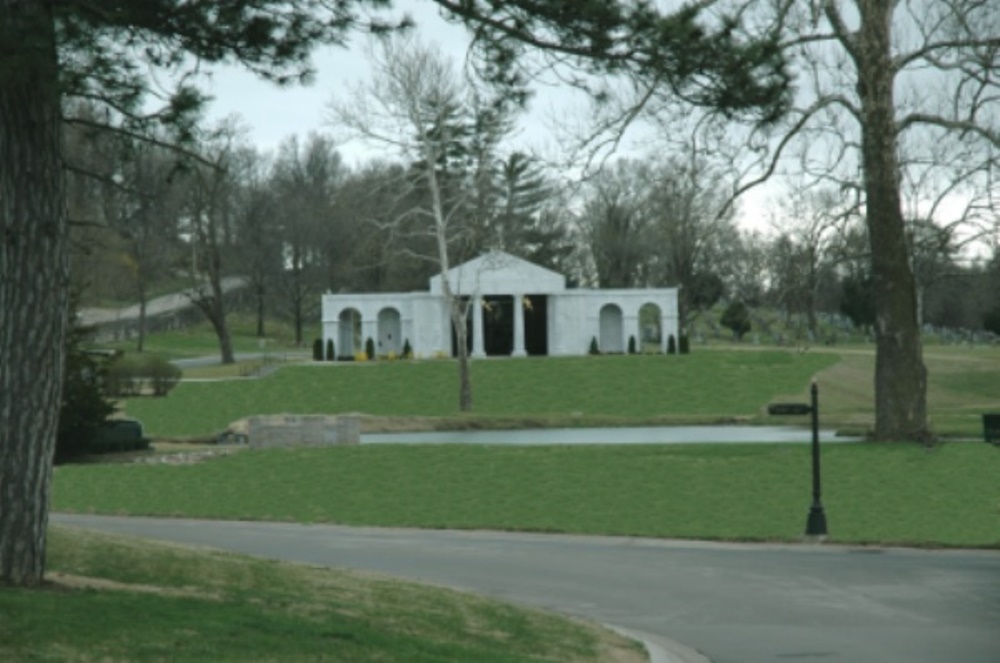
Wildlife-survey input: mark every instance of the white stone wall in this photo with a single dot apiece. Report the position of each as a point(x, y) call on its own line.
point(574, 316)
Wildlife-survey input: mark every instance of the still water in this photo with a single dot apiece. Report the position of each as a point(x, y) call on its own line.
point(647, 435)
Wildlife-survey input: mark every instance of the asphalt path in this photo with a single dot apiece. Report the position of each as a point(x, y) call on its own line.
point(734, 603)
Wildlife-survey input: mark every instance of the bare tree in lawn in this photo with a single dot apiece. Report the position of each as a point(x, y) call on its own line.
point(211, 228)
point(414, 105)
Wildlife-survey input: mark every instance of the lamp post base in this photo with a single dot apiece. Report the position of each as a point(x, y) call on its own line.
point(816, 524)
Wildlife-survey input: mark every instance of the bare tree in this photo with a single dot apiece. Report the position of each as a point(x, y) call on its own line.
point(211, 229)
point(693, 234)
point(806, 227)
point(257, 237)
point(306, 180)
point(616, 219)
point(412, 106)
point(888, 93)
point(142, 204)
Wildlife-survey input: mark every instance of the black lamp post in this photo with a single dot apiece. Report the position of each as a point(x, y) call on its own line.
point(816, 524)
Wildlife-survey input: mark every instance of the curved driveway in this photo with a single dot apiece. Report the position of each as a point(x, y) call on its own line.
point(734, 603)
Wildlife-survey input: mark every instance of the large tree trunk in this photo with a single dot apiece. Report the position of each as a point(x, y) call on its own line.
point(34, 283)
point(900, 375)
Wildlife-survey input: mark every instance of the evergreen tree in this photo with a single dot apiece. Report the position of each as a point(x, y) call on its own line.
point(84, 408)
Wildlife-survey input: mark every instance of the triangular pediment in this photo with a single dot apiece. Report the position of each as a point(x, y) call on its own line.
point(500, 273)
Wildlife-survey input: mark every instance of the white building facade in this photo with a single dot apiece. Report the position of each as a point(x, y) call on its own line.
point(516, 308)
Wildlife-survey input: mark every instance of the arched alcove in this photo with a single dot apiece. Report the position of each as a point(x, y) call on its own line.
point(611, 338)
point(390, 332)
point(349, 342)
point(651, 327)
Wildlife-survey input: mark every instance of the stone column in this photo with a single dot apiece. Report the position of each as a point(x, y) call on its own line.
point(478, 347)
point(518, 327)
point(369, 330)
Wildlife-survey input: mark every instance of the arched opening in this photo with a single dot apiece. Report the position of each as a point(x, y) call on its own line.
point(390, 332)
point(651, 328)
point(611, 339)
point(350, 333)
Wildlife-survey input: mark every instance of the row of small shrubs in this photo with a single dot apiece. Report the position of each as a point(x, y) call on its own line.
point(130, 375)
point(328, 352)
point(673, 346)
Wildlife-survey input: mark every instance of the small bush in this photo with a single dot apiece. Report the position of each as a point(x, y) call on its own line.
point(684, 344)
point(407, 350)
point(360, 356)
point(736, 317)
point(318, 349)
point(594, 349)
point(370, 349)
point(671, 345)
point(631, 345)
point(331, 353)
point(163, 376)
point(123, 377)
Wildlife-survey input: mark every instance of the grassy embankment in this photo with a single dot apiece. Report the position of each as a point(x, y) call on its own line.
point(709, 385)
point(572, 391)
point(123, 599)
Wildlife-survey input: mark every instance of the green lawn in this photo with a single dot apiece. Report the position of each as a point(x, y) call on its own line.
point(898, 494)
point(123, 599)
point(709, 386)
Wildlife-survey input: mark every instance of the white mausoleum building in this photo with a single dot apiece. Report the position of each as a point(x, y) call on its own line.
point(518, 309)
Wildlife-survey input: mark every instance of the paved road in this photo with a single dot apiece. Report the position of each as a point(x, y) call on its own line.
point(734, 603)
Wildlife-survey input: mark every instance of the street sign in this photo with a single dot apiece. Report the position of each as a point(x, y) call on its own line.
point(781, 409)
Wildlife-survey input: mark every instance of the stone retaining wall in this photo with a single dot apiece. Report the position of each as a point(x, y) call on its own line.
point(302, 429)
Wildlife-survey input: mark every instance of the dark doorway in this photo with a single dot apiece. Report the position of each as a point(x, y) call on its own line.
point(536, 325)
point(498, 325)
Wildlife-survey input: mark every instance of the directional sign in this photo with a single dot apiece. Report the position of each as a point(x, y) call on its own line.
point(788, 408)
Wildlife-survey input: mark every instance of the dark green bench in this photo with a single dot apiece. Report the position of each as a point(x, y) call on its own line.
point(991, 428)
point(120, 435)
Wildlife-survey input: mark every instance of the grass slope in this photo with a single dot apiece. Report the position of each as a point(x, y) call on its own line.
point(899, 494)
point(122, 599)
point(705, 386)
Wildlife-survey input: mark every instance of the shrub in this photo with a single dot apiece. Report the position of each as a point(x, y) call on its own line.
point(631, 345)
point(594, 350)
point(407, 350)
point(684, 345)
point(360, 356)
point(318, 349)
point(84, 406)
point(736, 317)
point(331, 353)
point(163, 376)
point(123, 377)
point(671, 345)
point(370, 348)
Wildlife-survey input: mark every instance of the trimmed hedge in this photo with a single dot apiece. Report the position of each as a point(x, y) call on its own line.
point(129, 375)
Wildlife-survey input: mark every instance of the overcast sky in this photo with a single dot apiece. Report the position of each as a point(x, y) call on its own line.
point(272, 114)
